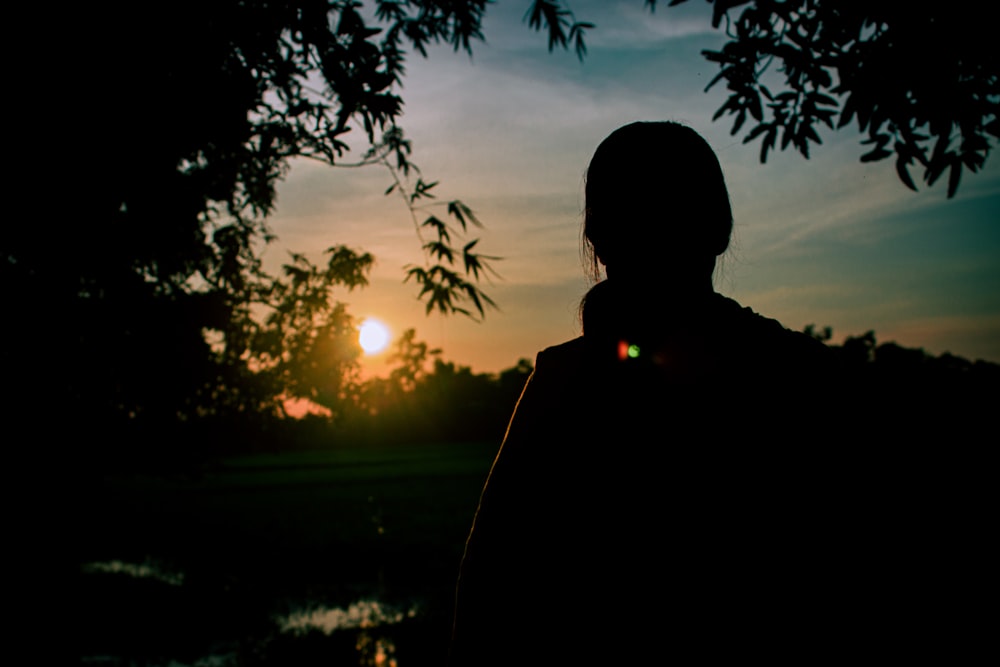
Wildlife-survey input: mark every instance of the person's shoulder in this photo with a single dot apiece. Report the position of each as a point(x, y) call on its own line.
point(564, 355)
point(764, 327)
point(764, 342)
point(559, 367)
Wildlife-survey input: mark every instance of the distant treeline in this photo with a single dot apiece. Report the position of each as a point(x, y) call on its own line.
point(426, 399)
point(900, 367)
point(449, 402)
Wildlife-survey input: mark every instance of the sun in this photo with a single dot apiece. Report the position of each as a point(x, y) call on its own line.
point(373, 336)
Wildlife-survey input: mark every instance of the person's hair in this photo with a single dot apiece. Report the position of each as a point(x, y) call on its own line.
point(655, 202)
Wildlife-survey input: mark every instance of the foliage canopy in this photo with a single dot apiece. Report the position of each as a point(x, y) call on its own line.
point(922, 82)
point(150, 286)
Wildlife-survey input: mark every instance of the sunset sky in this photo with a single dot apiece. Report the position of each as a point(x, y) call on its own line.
point(828, 241)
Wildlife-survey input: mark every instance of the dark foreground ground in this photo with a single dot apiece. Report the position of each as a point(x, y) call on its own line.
point(346, 556)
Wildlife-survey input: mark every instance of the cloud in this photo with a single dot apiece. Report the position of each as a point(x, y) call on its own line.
point(630, 23)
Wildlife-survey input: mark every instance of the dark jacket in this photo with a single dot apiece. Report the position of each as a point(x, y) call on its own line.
point(698, 499)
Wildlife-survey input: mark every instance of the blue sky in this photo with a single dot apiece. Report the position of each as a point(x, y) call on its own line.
point(828, 241)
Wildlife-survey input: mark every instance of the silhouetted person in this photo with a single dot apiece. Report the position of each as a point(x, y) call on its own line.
point(679, 482)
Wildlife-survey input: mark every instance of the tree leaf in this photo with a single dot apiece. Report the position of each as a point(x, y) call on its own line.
point(954, 176)
point(904, 173)
point(875, 155)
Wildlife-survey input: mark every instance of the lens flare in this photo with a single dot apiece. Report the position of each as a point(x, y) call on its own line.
point(627, 350)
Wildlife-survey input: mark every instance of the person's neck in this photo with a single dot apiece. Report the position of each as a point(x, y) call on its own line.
point(665, 285)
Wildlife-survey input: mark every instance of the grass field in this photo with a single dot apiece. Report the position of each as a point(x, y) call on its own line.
point(207, 567)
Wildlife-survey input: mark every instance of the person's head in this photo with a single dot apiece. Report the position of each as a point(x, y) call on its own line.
point(657, 207)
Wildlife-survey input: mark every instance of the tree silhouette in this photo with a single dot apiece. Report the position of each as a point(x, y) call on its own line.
point(425, 398)
point(924, 83)
point(909, 397)
point(307, 346)
point(184, 118)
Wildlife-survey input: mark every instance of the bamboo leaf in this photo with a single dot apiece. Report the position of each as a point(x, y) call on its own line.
point(954, 176)
point(902, 164)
